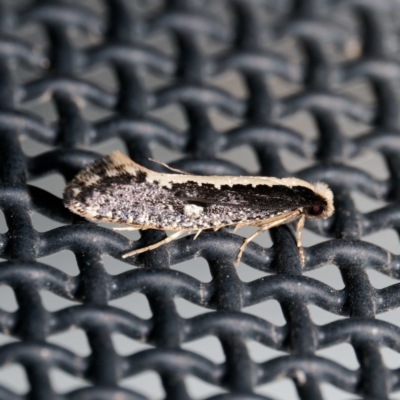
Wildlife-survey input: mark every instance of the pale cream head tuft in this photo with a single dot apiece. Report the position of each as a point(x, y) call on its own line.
point(322, 189)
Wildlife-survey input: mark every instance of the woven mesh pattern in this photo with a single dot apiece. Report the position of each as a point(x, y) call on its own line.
point(317, 47)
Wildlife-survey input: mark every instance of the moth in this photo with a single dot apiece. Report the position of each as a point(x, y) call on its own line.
point(116, 189)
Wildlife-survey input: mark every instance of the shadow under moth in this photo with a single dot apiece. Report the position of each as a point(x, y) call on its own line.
point(116, 189)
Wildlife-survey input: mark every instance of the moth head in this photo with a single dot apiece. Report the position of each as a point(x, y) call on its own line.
point(324, 208)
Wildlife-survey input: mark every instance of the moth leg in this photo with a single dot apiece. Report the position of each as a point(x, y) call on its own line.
point(240, 225)
point(125, 228)
point(299, 228)
point(155, 245)
point(248, 240)
point(197, 234)
point(272, 223)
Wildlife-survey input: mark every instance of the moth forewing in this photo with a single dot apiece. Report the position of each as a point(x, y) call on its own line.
point(116, 189)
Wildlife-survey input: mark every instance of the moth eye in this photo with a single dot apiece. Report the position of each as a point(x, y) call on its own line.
point(316, 210)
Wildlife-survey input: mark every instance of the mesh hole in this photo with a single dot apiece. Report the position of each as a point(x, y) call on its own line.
point(63, 261)
point(160, 41)
point(42, 108)
point(301, 122)
point(390, 357)
point(282, 88)
point(187, 309)
point(8, 299)
point(208, 347)
point(73, 340)
point(294, 163)
point(329, 274)
point(342, 354)
point(283, 389)
point(173, 115)
point(359, 89)
point(260, 353)
point(379, 280)
point(146, 383)
point(321, 317)
point(199, 389)
point(243, 156)
point(43, 224)
point(135, 303)
point(3, 224)
point(388, 239)
point(5, 338)
point(103, 76)
point(371, 162)
point(63, 382)
point(54, 184)
point(13, 377)
point(331, 392)
point(116, 267)
point(221, 122)
point(248, 274)
point(53, 303)
point(125, 346)
point(391, 316)
point(269, 310)
point(197, 268)
point(230, 82)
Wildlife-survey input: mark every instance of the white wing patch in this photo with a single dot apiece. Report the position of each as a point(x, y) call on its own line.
point(191, 210)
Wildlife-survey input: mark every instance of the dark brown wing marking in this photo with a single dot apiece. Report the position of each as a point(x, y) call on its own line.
point(268, 198)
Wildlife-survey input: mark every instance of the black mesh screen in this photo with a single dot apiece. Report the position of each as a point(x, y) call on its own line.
point(236, 74)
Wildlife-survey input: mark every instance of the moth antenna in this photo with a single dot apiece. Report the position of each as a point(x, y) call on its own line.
point(168, 167)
